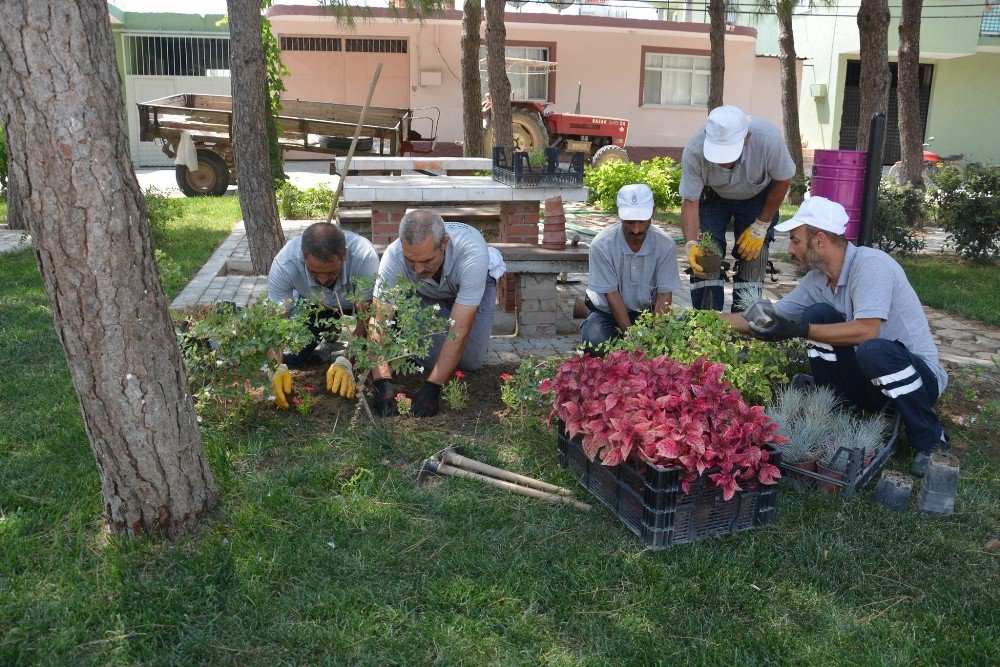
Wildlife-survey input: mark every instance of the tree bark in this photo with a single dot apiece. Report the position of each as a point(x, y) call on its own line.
point(15, 218)
point(250, 145)
point(717, 39)
point(789, 89)
point(873, 28)
point(908, 93)
point(472, 94)
point(496, 69)
point(87, 218)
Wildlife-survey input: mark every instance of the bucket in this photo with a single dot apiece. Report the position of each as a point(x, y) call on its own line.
point(840, 176)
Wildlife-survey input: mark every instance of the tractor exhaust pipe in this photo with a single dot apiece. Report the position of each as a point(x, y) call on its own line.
point(579, 92)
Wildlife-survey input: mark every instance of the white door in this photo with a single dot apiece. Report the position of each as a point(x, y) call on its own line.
point(143, 89)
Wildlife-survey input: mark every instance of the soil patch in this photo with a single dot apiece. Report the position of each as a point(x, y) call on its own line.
point(485, 404)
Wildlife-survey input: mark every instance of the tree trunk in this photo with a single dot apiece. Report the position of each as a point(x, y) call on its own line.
point(789, 90)
point(873, 28)
point(908, 93)
point(472, 93)
point(496, 69)
point(717, 38)
point(87, 218)
point(250, 145)
point(15, 218)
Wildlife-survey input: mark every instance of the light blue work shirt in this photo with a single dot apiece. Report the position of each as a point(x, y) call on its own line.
point(637, 276)
point(289, 279)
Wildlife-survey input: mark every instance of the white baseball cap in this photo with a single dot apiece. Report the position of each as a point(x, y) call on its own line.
point(818, 212)
point(635, 202)
point(725, 130)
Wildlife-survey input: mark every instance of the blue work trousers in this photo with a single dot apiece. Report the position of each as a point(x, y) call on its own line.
point(715, 214)
point(876, 371)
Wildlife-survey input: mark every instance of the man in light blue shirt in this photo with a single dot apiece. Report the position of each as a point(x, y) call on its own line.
point(633, 268)
point(867, 333)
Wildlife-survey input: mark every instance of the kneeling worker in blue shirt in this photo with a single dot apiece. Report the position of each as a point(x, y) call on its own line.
point(633, 268)
point(868, 337)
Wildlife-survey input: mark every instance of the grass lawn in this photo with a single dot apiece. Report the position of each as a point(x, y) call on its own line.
point(960, 286)
point(323, 550)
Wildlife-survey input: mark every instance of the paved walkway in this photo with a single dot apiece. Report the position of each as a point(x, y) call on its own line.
point(12, 240)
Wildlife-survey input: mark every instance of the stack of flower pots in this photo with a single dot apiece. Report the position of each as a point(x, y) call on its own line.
point(554, 225)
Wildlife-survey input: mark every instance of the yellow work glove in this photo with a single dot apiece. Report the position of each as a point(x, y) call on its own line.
point(340, 378)
point(750, 242)
point(693, 253)
point(281, 385)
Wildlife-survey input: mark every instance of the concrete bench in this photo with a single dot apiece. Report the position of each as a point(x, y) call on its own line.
point(451, 166)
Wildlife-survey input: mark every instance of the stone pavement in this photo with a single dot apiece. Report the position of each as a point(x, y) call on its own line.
point(13, 240)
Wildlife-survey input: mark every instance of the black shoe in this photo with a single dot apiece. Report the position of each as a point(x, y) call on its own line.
point(922, 459)
point(803, 381)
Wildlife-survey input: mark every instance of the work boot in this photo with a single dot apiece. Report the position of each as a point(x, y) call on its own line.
point(803, 381)
point(922, 459)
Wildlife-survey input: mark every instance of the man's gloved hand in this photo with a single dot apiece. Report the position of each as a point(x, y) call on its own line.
point(425, 403)
point(780, 328)
point(694, 253)
point(281, 385)
point(385, 398)
point(340, 378)
point(750, 242)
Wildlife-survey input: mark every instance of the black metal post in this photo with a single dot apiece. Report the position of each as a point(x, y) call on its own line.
point(873, 176)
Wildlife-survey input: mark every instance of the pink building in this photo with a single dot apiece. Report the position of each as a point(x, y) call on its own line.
point(653, 73)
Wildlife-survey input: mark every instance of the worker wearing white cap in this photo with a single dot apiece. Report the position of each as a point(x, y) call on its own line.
point(735, 169)
point(633, 268)
point(868, 337)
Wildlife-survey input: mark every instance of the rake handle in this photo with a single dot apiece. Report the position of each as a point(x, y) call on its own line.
point(460, 461)
point(445, 469)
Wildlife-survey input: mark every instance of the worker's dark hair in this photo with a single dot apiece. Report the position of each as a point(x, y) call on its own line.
point(835, 239)
point(324, 241)
point(420, 225)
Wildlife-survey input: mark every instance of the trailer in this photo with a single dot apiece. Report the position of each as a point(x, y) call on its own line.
point(315, 127)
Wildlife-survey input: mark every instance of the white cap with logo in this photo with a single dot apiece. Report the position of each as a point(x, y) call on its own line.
point(635, 202)
point(818, 212)
point(725, 130)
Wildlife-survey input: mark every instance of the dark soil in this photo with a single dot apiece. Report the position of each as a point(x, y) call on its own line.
point(484, 403)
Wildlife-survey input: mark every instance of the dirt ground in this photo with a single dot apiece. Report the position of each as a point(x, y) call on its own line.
point(484, 399)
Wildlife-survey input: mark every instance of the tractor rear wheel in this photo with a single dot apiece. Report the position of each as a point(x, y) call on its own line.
point(528, 128)
point(211, 179)
point(609, 153)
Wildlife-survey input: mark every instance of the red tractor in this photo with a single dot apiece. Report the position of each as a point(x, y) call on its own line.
point(536, 127)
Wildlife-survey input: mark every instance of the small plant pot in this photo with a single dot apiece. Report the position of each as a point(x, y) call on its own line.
point(802, 480)
point(893, 491)
point(711, 264)
point(828, 488)
point(940, 485)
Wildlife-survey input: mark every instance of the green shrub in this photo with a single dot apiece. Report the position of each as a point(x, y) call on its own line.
point(968, 206)
point(661, 174)
point(309, 204)
point(899, 211)
point(519, 391)
point(752, 366)
point(160, 210)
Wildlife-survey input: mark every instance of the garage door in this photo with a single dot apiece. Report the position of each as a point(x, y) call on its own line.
point(339, 69)
point(161, 65)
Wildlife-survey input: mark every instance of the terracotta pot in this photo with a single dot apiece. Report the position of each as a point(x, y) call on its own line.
point(554, 224)
point(802, 480)
point(710, 264)
point(827, 488)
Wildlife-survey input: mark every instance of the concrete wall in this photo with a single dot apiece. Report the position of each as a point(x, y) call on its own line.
point(607, 59)
point(964, 107)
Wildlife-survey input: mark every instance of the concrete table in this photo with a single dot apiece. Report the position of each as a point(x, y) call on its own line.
point(451, 166)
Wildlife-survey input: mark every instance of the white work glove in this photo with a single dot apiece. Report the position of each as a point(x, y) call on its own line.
point(750, 242)
point(340, 378)
point(693, 253)
point(281, 385)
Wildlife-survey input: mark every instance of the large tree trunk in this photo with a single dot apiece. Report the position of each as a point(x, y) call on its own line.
point(908, 93)
point(15, 217)
point(250, 145)
point(87, 218)
point(717, 38)
point(873, 28)
point(496, 70)
point(789, 89)
point(472, 95)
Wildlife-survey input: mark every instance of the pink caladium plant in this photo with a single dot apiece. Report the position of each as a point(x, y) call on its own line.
point(658, 410)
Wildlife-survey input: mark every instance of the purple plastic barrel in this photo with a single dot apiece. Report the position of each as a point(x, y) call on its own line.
point(840, 176)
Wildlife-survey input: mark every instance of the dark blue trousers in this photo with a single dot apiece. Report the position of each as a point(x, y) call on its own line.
point(715, 214)
point(323, 321)
point(876, 371)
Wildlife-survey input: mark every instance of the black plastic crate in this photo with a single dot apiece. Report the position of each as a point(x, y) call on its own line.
point(649, 500)
point(518, 172)
point(857, 473)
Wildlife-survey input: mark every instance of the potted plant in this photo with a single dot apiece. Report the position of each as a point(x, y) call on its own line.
point(711, 259)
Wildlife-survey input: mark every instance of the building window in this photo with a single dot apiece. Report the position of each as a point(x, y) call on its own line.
point(527, 82)
point(362, 45)
point(310, 44)
point(675, 80)
point(158, 55)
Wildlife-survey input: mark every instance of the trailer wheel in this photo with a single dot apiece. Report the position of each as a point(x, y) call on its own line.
point(528, 128)
point(210, 180)
point(609, 153)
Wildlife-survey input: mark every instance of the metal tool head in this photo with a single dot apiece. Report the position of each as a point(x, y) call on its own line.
point(429, 468)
